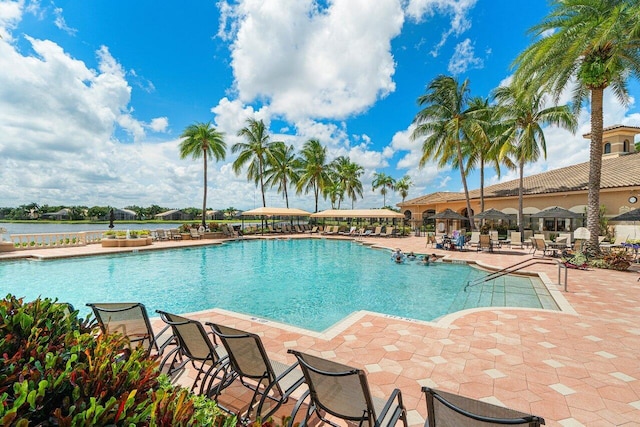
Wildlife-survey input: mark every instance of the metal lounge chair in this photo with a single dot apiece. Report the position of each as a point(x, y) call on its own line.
point(485, 243)
point(343, 392)
point(194, 346)
point(131, 320)
point(447, 409)
point(194, 234)
point(516, 240)
point(271, 381)
point(541, 245)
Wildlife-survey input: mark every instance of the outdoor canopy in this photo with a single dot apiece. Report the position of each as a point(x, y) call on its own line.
point(448, 214)
point(269, 211)
point(556, 212)
point(492, 214)
point(633, 215)
point(357, 213)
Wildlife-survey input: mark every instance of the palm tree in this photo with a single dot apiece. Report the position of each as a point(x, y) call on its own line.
point(203, 140)
point(384, 182)
point(590, 45)
point(447, 123)
point(348, 174)
point(314, 170)
point(281, 168)
point(402, 186)
point(523, 116)
point(334, 192)
point(255, 152)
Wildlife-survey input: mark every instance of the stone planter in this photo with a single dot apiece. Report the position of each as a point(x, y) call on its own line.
point(7, 247)
point(185, 236)
point(125, 243)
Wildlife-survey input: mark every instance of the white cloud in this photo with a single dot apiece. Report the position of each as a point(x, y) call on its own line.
point(159, 124)
point(457, 9)
point(61, 23)
point(10, 16)
point(307, 62)
point(464, 58)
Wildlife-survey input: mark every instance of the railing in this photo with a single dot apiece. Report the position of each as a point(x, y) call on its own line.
point(55, 240)
point(515, 268)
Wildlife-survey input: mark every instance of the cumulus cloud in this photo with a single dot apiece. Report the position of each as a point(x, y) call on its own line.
point(159, 124)
point(464, 58)
point(61, 23)
point(458, 10)
point(312, 62)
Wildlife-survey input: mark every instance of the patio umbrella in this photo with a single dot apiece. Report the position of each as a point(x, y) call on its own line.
point(633, 215)
point(112, 217)
point(556, 212)
point(492, 214)
point(448, 215)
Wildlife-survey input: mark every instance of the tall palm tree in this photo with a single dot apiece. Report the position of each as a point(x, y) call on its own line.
point(385, 183)
point(484, 148)
point(314, 170)
point(447, 123)
point(334, 191)
point(203, 140)
point(402, 186)
point(348, 174)
point(255, 152)
point(523, 116)
point(281, 168)
point(589, 45)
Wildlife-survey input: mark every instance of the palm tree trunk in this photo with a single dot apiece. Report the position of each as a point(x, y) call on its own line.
point(466, 189)
point(286, 196)
point(264, 201)
point(520, 199)
point(204, 198)
point(595, 168)
point(481, 184)
point(315, 192)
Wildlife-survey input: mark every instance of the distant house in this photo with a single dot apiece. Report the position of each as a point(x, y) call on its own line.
point(215, 215)
point(64, 213)
point(124, 215)
point(173, 215)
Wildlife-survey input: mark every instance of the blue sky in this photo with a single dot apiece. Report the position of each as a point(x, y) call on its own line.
point(94, 95)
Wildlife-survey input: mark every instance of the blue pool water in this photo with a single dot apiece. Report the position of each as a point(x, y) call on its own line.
point(310, 283)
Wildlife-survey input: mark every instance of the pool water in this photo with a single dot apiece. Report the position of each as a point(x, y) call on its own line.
point(310, 283)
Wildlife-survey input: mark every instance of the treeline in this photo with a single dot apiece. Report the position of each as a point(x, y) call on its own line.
point(33, 211)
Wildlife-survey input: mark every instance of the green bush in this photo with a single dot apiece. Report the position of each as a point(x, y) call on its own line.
point(57, 369)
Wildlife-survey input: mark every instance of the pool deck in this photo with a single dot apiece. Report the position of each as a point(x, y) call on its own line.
point(574, 368)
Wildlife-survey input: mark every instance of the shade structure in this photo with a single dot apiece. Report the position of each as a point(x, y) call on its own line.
point(633, 215)
point(556, 212)
point(271, 211)
point(357, 213)
point(448, 214)
point(492, 214)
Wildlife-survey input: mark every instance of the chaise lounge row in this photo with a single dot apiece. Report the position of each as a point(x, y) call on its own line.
point(325, 389)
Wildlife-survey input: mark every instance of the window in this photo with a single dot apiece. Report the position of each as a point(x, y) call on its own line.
point(607, 148)
point(625, 146)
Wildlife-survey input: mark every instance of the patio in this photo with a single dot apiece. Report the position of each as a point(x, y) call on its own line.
point(571, 369)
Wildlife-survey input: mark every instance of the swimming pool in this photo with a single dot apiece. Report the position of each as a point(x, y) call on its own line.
point(310, 283)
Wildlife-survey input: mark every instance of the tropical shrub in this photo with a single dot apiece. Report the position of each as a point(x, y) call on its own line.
point(617, 260)
point(57, 369)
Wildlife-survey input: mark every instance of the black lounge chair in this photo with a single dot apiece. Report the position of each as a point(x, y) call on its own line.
point(343, 392)
point(270, 381)
point(131, 320)
point(447, 409)
point(195, 347)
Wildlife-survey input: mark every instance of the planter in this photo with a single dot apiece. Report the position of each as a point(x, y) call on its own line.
point(185, 236)
point(125, 243)
point(7, 247)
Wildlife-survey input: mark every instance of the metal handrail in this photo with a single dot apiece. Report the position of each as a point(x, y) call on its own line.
point(508, 270)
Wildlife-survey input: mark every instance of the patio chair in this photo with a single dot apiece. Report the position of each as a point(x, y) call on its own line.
point(541, 246)
point(161, 235)
point(447, 409)
point(194, 346)
point(131, 320)
point(474, 241)
point(194, 234)
point(313, 230)
point(388, 232)
point(270, 381)
point(343, 392)
point(377, 232)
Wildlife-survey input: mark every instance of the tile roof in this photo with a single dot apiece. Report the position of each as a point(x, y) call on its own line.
point(617, 172)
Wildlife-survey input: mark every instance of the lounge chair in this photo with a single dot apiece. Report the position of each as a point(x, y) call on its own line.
point(516, 240)
point(313, 230)
point(351, 232)
point(343, 392)
point(161, 235)
point(194, 346)
point(131, 320)
point(271, 381)
point(194, 234)
point(474, 241)
point(620, 239)
point(377, 232)
point(332, 229)
point(388, 232)
point(484, 243)
point(447, 409)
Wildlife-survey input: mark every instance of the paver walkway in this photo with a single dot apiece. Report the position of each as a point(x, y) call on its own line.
point(575, 368)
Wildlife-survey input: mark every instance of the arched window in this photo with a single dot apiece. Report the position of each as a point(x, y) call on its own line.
point(625, 146)
point(607, 148)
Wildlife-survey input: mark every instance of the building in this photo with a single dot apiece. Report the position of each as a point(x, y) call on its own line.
point(173, 215)
point(124, 215)
point(565, 187)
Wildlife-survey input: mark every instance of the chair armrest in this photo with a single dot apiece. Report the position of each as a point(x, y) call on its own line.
point(398, 412)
